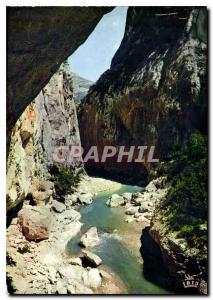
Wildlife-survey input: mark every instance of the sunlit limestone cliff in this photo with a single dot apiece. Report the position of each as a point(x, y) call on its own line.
point(48, 122)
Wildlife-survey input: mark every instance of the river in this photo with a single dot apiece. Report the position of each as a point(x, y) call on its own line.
point(119, 248)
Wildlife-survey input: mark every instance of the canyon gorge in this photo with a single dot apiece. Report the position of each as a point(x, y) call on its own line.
point(65, 222)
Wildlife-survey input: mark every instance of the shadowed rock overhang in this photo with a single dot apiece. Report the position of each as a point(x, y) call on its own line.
point(39, 40)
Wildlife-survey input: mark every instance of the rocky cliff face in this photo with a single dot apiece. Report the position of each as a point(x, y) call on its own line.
point(48, 122)
point(154, 91)
point(39, 40)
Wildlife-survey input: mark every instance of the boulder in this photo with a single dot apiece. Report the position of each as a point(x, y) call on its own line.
point(131, 210)
point(127, 205)
point(75, 261)
point(137, 201)
point(70, 199)
point(91, 257)
point(71, 214)
point(58, 206)
point(136, 195)
point(92, 278)
point(34, 222)
point(144, 208)
point(85, 199)
point(115, 201)
point(127, 197)
point(71, 272)
point(151, 187)
point(90, 238)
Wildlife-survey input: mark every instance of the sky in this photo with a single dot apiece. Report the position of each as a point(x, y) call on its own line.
point(94, 57)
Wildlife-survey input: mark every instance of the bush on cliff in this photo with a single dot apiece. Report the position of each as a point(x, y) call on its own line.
point(187, 200)
point(65, 180)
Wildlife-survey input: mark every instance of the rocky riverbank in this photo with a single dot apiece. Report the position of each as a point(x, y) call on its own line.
point(140, 206)
point(37, 262)
point(186, 265)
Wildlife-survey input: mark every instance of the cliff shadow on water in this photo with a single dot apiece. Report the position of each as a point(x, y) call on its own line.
point(154, 269)
point(138, 176)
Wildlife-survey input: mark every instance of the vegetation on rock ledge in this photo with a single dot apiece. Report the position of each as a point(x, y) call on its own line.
point(186, 203)
point(65, 180)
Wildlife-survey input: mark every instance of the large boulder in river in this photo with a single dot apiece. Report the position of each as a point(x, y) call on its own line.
point(91, 257)
point(90, 238)
point(34, 222)
point(127, 197)
point(115, 201)
point(137, 198)
point(75, 261)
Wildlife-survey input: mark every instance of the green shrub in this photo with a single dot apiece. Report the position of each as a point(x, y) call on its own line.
point(65, 180)
point(186, 203)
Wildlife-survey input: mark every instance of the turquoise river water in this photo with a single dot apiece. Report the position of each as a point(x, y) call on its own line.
point(116, 255)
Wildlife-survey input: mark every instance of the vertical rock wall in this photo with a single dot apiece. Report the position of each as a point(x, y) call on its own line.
point(48, 122)
point(155, 92)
